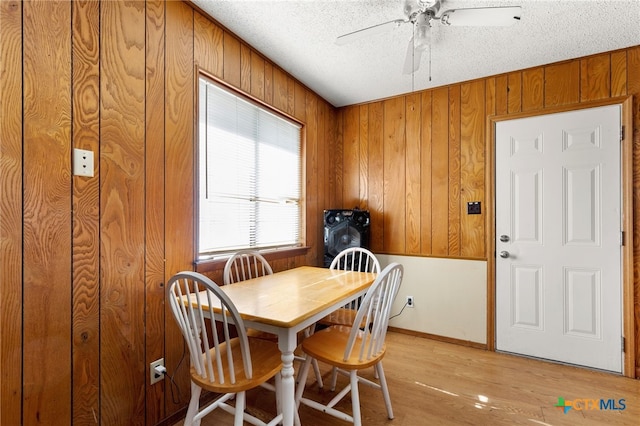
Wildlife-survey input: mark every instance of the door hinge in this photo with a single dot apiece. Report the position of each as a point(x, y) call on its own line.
point(621, 133)
point(622, 238)
point(623, 344)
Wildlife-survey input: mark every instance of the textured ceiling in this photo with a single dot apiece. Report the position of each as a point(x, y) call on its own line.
point(300, 37)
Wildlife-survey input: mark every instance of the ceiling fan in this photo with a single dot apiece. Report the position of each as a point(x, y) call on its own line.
point(420, 14)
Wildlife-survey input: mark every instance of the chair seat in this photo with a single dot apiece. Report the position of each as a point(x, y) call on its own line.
point(266, 362)
point(328, 345)
point(342, 316)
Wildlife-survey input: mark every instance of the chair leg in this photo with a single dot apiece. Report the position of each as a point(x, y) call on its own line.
point(240, 405)
point(334, 378)
point(316, 370)
point(385, 390)
point(355, 398)
point(193, 405)
point(302, 381)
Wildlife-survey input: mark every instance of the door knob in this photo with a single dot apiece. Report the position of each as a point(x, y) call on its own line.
point(504, 238)
point(504, 254)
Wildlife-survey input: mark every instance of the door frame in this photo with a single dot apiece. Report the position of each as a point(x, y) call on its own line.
point(626, 152)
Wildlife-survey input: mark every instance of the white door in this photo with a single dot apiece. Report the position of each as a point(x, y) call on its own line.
point(558, 237)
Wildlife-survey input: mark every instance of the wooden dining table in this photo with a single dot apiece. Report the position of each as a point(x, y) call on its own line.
point(288, 302)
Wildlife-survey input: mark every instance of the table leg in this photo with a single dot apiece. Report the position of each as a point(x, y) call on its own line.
point(287, 344)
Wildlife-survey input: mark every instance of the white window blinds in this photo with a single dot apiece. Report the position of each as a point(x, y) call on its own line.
point(249, 174)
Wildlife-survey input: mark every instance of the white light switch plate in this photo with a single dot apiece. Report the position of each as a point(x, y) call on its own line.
point(82, 162)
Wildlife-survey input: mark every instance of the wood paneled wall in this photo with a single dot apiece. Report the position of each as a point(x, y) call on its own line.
point(84, 260)
point(416, 160)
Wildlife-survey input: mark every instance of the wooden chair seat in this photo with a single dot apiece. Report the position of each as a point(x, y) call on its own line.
point(328, 346)
point(266, 360)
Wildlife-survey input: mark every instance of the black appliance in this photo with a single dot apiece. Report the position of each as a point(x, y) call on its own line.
point(344, 229)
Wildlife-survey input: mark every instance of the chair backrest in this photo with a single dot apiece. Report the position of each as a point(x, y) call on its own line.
point(244, 265)
point(356, 259)
point(211, 356)
point(373, 314)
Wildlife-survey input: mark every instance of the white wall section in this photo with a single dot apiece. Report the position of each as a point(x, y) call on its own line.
point(450, 297)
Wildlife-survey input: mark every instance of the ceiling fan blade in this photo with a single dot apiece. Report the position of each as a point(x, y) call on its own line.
point(412, 58)
point(482, 16)
point(375, 29)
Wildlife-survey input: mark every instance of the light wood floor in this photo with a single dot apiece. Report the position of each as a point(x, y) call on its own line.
point(436, 383)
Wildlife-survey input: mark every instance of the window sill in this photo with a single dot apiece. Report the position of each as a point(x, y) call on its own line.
point(209, 265)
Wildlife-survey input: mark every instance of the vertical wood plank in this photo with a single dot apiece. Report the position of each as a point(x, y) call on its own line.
point(11, 212)
point(86, 218)
point(426, 201)
point(313, 224)
point(375, 203)
point(257, 75)
point(179, 159)
point(336, 159)
point(490, 99)
point(154, 200)
point(280, 94)
point(268, 82)
point(47, 206)
point(394, 175)
point(291, 98)
point(231, 59)
point(245, 68)
point(502, 94)
point(363, 156)
point(413, 116)
point(316, 257)
point(514, 92)
point(122, 118)
point(440, 172)
point(619, 73)
point(301, 101)
point(454, 170)
point(208, 45)
point(472, 165)
point(633, 88)
point(325, 146)
point(351, 158)
point(595, 77)
point(533, 89)
point(562, 84)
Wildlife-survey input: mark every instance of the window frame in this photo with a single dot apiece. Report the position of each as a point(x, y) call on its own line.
point(205, 263)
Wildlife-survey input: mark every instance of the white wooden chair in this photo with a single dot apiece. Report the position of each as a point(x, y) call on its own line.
point(244, 265)
point(221, 363)
point(351, 349)
point(351, 259)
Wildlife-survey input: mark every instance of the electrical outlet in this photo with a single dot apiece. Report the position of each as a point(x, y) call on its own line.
point(157, 371)
point(410, 301)
point(82, 162)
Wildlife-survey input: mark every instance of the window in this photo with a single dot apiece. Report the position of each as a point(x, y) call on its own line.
point(249, 174)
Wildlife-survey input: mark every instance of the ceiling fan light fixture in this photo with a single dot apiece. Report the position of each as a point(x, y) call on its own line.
point(425, 4)
point(422, 38)
point(483, 16)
